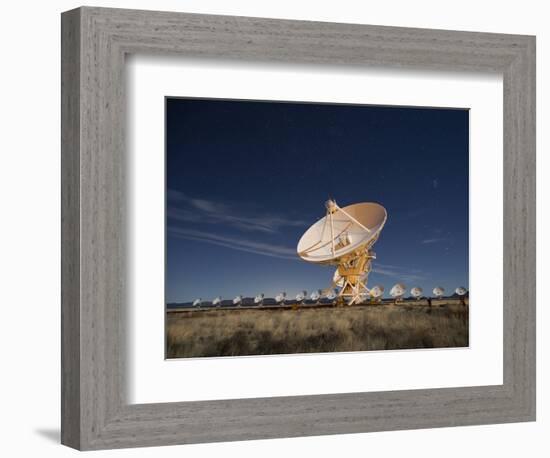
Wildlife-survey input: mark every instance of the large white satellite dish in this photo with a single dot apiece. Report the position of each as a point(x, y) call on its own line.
point(238, 300)
point(217, 301)
point(197, 302)
point(416, 292)
point(344, 238)
point(280, 298)
point(438, 292)
point(398, 291)
point(259, 299)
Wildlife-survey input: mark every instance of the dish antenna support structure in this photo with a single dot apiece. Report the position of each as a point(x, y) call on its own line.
point(344, 238)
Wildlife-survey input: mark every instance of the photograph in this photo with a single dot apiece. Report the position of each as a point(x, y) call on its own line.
point(308, 227)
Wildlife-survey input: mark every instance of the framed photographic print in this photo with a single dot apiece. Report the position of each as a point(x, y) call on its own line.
point(281, 228)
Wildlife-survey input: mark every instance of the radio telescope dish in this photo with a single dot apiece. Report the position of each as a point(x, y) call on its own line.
point(376, 292)
point(259, 299)
point(238, 300)
point(461, 291)
point(217, 301)
point(197, 302)
point(280, 298)
point(398, 291)
point(341, 232)
point(332, 296)
point(301, 296)
point(344, 238)
point(416, 292)
point(315, 295)
point(438, 292)
point(337, 279)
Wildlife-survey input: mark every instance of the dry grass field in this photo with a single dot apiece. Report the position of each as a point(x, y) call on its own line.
point(359, 328)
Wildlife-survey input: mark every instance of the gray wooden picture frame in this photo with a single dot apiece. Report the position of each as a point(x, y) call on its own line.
point(95, 411)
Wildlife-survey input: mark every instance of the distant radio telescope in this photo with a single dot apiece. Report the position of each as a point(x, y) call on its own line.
point(344, 238)
point(438, 292)
point(301, 296)
point(280, 298)
point(376, 292)
point(331, 295)
point(461, 291)
point(197, 302)
point(398, 291)
point(337, 279)
point(259, 299)
point(315, 296)
point(217, 301)
point(238, 300)
point(416, 292)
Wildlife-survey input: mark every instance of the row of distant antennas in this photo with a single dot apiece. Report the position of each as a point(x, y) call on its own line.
point(279, 298)
point(397, 291)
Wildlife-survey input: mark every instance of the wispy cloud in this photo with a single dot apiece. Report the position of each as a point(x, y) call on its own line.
point(235, 243)
point(397, 273)
point(281, 252)
point(194, 210)
point(434, 240)
point(184, 208)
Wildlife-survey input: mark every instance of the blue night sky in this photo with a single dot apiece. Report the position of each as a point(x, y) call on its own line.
point(246, 179)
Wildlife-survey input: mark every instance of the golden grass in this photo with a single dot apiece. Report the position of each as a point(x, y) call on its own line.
point(267, 332)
